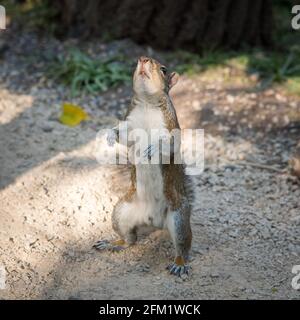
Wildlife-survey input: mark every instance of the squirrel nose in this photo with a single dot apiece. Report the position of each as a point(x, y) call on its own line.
point(143, 59)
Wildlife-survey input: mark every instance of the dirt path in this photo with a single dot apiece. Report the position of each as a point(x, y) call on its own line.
point(56, 200)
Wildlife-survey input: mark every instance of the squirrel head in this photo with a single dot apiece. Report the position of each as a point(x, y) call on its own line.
point(152, 79)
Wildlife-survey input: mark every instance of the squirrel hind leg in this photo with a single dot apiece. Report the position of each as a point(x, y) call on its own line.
point(118, 245)
point(178, 224)
point(124, 221)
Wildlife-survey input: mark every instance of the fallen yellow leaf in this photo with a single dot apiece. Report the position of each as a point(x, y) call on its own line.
point(72, 115)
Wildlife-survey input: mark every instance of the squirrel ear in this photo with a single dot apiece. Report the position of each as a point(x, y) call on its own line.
point(173, 79)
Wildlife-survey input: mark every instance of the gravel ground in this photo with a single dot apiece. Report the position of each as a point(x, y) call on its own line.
point(56, 200)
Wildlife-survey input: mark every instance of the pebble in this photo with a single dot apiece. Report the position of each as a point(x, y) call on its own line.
point(215, 275)
point(47, 128)
point(196, 105)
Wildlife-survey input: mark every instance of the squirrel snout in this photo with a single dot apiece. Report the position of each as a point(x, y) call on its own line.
point(143, 59)
point(143, 67)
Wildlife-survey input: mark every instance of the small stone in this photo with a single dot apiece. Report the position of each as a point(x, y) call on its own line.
point(230, 99)
point(198, 251)
point(233, 234)
point(214, 275)
point(253, 232)
point(47, 128)
point(184, 277)
point(178, 280)
point(196, 105)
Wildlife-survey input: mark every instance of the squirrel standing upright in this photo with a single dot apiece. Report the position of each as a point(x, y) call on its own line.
point(159, 193)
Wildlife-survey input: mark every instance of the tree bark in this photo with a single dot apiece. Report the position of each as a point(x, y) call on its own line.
point(167, 24)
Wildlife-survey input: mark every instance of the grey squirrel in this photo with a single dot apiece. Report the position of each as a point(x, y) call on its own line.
point(159, 195)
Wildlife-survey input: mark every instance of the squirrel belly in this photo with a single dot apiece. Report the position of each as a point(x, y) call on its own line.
point(150, 194)
point(147, 206)
point(149, 200)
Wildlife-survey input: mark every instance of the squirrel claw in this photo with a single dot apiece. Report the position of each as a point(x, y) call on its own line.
point(178, 270)
point(101, 245)
point(107, 245)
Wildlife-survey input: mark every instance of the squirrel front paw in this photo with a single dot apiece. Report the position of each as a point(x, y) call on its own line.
point(111, 137)
point(178, 267)
point(149, 151)
point(162, 145)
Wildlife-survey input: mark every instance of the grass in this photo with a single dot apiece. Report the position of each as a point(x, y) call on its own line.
point(190, 63)
point(82, 73)
point(278, 67)
point(293, 85)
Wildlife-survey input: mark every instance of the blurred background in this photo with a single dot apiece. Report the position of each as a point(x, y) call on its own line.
point(65, 73)
point(194, 35)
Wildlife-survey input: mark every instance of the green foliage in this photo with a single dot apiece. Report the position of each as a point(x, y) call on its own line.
point(191, 63)
point(270, 67)
point(293, 85)
point(276, 67)
point(82, 73)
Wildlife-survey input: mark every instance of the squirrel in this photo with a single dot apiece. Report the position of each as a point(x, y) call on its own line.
point(159, 195)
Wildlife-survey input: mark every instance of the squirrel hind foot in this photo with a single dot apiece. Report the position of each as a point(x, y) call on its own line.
point(114, 246)
point(178, 267)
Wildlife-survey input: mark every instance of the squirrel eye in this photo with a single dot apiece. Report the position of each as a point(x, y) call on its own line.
point(163, 70)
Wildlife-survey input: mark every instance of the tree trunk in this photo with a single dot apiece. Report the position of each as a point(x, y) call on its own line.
point(169, 24)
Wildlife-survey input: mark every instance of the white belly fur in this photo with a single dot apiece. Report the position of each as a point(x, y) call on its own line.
point(150, 201)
